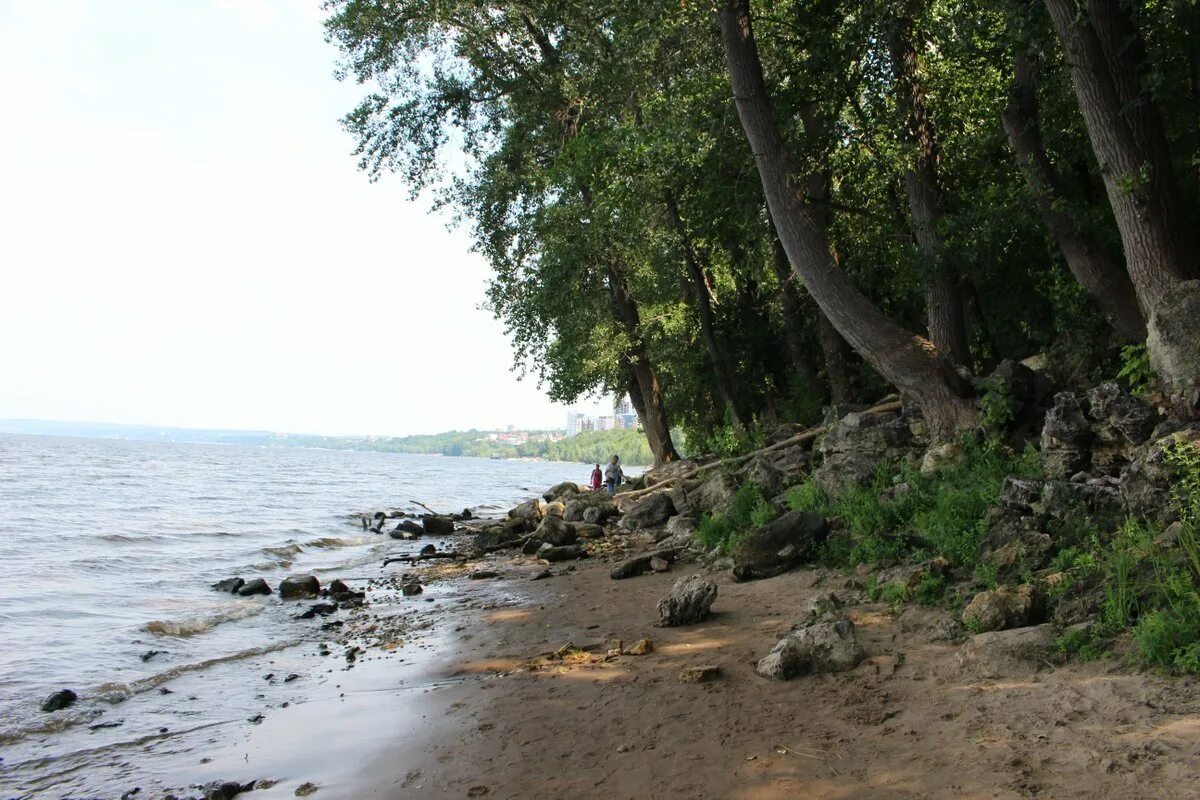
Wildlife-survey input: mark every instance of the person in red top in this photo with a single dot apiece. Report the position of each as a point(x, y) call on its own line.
point(597, 478)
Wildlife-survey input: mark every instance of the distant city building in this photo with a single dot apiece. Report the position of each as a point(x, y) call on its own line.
point(628, 422)
point(588, 424)
point(604, 423)
point(622, 407)
point(575, 422)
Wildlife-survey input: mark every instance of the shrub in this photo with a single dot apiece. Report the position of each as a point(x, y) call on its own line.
point(750, 509)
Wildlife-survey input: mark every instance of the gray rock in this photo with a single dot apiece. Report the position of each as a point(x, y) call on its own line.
point(651, 510)
point(570, 552)
point(854, 447)
point(225, 790)
point(690, 600)
point(561, 491)
point(823, 646)
point(496, 538)
point(1000, 654)
point(585, 530)
point(637, 565)
point(947, 454)
point(530, 511)
point(297, 587)
point(1005, 607)
point(59, 700)
point(581, 503)
point(699, 674)
point(554, 531)
point(780, 545)
point(230, 585)
point(764, 474)
point(1173, 341)
point(438, 525)
point(407, 529)
point(256, 586)
point(412, 588)
point(681, 527)
point(1066, 437)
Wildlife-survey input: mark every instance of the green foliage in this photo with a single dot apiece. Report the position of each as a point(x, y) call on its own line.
point(918, 516)
point(749, 510)
point(1135, 369)
point(998, 407)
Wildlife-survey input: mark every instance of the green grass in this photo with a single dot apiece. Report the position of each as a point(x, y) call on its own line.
point(750, 509)
point(940, 515)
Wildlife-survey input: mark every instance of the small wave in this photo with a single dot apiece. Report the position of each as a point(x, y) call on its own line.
point(284, 550)
point(190, 626)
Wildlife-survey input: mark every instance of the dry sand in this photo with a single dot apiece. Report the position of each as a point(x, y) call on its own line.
point(504, 723)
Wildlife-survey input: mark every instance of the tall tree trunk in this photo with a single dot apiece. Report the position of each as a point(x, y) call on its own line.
point(1103, 48)
point(911, 362)
point(648, 397)
point(793, 321)
point(1101, 277)
point(943, 292)
point(716, 355)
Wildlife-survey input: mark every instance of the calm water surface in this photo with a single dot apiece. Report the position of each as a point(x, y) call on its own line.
point(107, 550)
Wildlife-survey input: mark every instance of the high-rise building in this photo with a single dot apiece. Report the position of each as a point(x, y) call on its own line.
point(604, 423)
point(621, 406)
point(575, 422)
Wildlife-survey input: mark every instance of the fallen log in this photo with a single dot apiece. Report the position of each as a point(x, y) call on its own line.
point(799, 438)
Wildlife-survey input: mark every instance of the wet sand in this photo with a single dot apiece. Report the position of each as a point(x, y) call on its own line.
point(455, 698)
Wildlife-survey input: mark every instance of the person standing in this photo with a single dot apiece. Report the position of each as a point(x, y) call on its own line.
point(597, 478)
point(613, 475)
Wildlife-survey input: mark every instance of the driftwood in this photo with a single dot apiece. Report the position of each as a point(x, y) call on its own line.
point(799, 438)
point(427, 508)
point(415, 557)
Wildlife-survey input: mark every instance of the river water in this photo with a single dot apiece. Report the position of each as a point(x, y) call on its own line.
point(107, 552)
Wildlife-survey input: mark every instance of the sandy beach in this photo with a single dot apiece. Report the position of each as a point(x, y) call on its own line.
point(476, 705)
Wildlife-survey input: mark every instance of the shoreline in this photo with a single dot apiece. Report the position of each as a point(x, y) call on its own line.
point(456, 692)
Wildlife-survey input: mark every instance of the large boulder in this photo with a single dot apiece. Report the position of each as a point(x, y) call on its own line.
point(438, 525)
point(780, 545)
point(297, 587)
point(1000, 654)
point(1173, 341)
point(230, 585)
point(827, 645)
point(1066, 437)
point(407, 529)
point(587, 530)
point(711, 496)
point(564, 490)
point(496, 537)
point(1147, 482)
point(554, 531)
point(59, 700)
point(530, 511)
point(654, 509)
point(765, 475)
point(569, 552)
point(1005, 607)
point(577, 507)
point(252, 587)
point(856, 444)
point(690, 600)
point(940, 456)
point(632, 567)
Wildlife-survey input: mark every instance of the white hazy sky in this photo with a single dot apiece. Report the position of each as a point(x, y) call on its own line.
point(185, 238)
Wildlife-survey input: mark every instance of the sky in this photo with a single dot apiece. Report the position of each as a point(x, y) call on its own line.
point(185, 238)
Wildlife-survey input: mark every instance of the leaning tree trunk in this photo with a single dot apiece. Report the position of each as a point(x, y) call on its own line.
point(1127, 135)
point(647, 399)
point(909, 361)
point(943, 293)
point(716, 355)
point(1101, 277)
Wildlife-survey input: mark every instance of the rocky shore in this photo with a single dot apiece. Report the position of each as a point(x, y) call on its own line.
point(598, 646)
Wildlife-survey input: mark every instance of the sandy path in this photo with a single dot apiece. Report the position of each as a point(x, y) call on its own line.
point(904, 724)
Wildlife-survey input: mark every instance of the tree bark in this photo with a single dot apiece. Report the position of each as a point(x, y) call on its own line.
point(1102, 278)
point(943, 294)
point(716, 355)
point(909, 361)
point(1103, 48)
point(647, 399)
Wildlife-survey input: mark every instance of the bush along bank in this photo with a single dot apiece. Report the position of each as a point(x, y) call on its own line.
point(1076, 510)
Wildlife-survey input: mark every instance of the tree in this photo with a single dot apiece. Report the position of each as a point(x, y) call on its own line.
point(909, 361)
